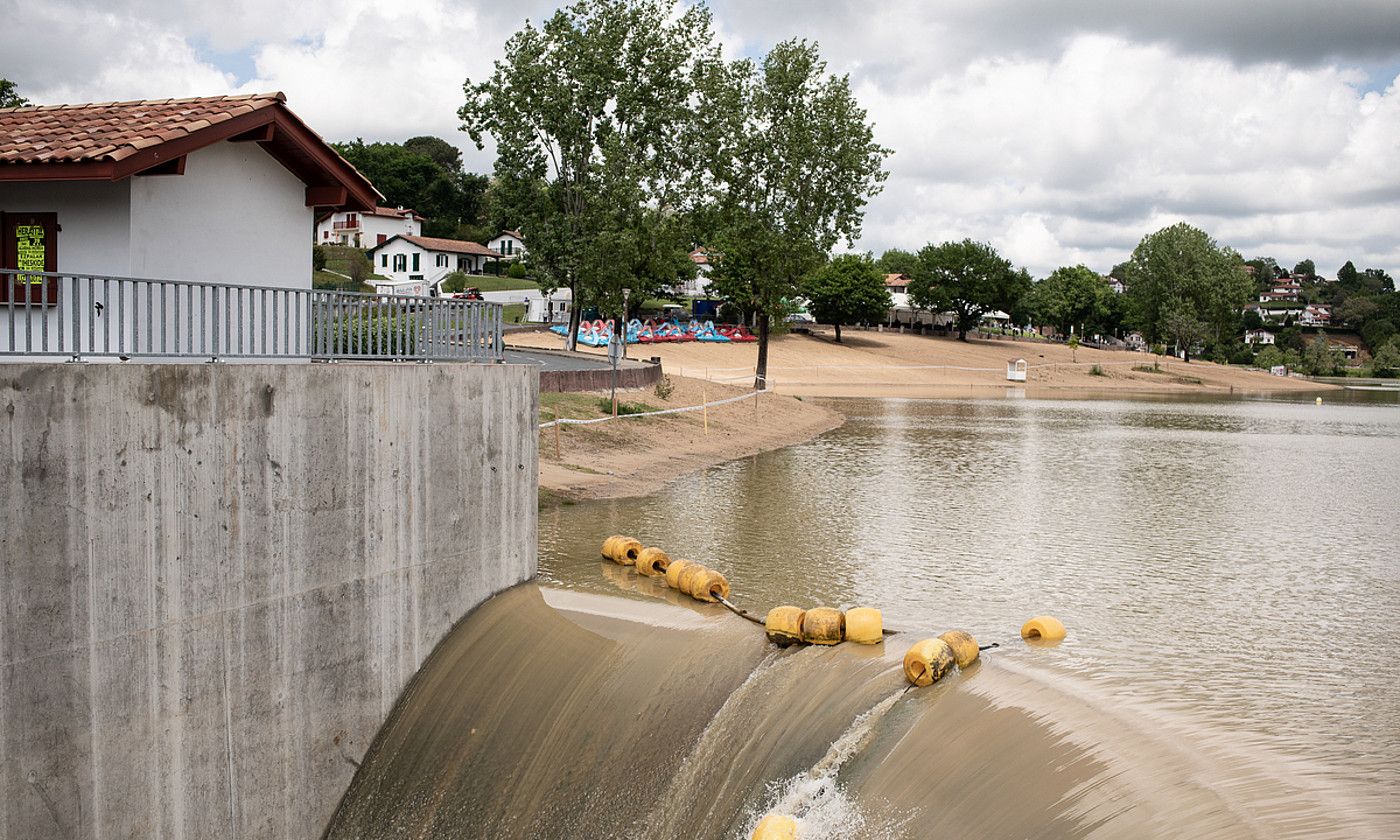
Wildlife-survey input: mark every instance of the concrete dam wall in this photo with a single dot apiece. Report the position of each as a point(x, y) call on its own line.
point(215, 580)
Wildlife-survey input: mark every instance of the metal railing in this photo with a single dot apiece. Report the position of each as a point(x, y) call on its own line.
point(88, 315)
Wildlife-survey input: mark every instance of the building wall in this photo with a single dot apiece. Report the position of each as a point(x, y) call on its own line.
point(371, 227)
point(235, 216)
point(216, 579)
point(428, 269)
point(499, 245)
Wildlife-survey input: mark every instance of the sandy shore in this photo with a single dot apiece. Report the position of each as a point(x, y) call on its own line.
point(891, 364)
point(635, 456)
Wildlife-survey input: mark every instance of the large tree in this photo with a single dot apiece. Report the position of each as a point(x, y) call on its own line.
point(592, 116)
point(898, 261)
point(9, 95)
point(1182, 265)
point(422, 175)
point(968, 279)
point(1072, 298)
point(848, 290)
point(791, 161)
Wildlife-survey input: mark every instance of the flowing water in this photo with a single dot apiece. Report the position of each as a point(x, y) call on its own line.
point(1229, 572)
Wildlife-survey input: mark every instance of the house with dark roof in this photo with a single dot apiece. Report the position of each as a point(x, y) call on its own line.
point(416, 265)
point(510, 244)
point(215, 190)
point(367, 228)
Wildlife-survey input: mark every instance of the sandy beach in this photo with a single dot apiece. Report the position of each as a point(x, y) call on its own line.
point(892, 364)
point(633, 456)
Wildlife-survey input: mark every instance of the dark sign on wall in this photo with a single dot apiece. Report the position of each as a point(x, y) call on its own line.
point(29, 242)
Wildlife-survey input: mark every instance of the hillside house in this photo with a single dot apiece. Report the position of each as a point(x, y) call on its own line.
point(1116, 285)
point(1258, 338)
point(510, 244)
point(365, 229)
point(1315, 315)
point(699, 285)
point(218, 190)
point(416, 265)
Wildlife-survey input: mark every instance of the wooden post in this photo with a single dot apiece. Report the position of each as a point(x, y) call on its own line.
point(557, 456)
point(705, 400)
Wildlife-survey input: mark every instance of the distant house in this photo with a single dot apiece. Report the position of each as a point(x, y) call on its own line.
point(1116, 285)
point(1258, 337)
point(415, 265)
point(1135, 341)
point(1283, 290)
point(365, 229)
point(510, 244)
point(549, 309)
point(699, 285)
point(218, 190)
point(1315, 315)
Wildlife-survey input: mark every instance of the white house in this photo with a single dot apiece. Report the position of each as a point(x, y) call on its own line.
point(219, 190)
point(1258, 337)
point(551, 309)
point(1315, 315)
point(510, 244)
point(365, 229)
point(699, 285)
point(415, 265)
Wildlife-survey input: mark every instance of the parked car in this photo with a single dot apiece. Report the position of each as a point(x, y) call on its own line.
point(472, 293)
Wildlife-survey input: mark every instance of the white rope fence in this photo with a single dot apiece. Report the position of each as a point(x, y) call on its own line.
point(569, 421)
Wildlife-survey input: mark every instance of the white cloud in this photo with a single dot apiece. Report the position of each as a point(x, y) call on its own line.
point(1061, 133)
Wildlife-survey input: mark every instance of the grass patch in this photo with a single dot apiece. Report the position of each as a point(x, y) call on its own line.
point(513, 313)
point(488, 283)
point(1152, 368)
point(1096, 370)
point(605, 407)
point(582, 469)
point(574, 406)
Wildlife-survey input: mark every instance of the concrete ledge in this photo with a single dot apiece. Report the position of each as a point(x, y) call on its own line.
point(215, 580)
point(632, 376)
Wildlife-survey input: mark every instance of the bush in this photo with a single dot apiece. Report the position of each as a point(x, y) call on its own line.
point(376, 334)
point(1159, 349)
point(318, 258)
point(1386, 363)
point(1242, 354)
point(516, 271)
point(664, 388)
point(455, 282)
point(1096, 370)
point(605, 406)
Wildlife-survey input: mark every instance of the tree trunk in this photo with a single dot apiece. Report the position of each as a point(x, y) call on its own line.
point(571, 340)
point(962, 332)
point(838, 332)
point(760, 381)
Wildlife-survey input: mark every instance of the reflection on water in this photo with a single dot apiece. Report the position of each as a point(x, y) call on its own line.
point(1231, 566)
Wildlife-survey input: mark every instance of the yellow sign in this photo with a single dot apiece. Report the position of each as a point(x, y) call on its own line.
point(30, 253)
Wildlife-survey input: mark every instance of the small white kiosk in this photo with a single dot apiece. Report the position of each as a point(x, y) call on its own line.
point(1016, 370)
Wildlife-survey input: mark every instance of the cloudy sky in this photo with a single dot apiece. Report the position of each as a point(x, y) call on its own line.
point(1061, 131)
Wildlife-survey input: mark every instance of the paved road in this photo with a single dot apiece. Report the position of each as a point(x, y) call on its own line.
point(551, 361)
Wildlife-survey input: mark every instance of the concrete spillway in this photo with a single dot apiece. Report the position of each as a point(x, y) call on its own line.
point(554, 714)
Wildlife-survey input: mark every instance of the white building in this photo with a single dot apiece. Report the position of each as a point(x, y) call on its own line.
point(1258, 337)
point(415, 265)
point(699, 285)
point(510, 244)
point(365, 229)
point(218, 190)
point(550, 309)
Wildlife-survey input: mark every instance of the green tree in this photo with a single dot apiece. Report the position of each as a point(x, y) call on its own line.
point(1346, 275)
point(1386, 362)
point(966, 278)
point(318, 258)
point(1271, 357)
point(1306, 268)
point(1183, 327)
point(409, 178)
point(447, 156)
point(1183, 265)
point(1072, 298)
point(848, 290)
point(1321, 360)
point(9, 95)
point(592, 116)
point(897, 261)
point(791, 162)
point(1377, 332)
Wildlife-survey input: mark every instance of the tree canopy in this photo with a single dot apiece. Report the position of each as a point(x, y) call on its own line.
point(413, 175)
point(9, 95)
point(897, 261)
point(790, 160)
point(1181, 266)
point(968, 279)
point(1072, 298)
point(848, 290)
point(591, 113)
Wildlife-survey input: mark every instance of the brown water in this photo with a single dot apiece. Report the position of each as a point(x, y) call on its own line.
point(1229, 573)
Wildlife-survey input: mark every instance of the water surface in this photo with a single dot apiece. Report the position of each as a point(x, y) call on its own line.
point(1229, 570)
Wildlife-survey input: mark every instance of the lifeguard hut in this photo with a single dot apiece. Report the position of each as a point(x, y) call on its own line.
point(1016, 370)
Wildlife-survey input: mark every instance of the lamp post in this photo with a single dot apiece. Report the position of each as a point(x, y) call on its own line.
point(626, 293)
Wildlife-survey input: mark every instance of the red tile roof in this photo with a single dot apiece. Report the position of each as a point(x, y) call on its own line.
point(517, 234)
point(113, 140)
point(896, 280)
point(395, 213)
point(451, 246)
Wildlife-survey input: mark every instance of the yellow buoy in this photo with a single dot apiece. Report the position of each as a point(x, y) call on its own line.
point(1319, 400)
point(621, 550)
point(865, 625)
point(708, 586)
point(775, 827)
point(688, 576)
point(823, 626)
point(673, 572)
point(926, 662)
point(1045, 627)
point(964, 646)
point(784, 625)
point(652, 562)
